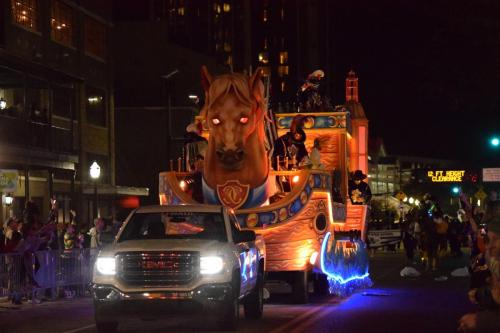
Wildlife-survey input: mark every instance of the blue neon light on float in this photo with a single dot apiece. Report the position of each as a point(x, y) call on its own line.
point(345, 273)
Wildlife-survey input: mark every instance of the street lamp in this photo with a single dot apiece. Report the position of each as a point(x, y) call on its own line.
point(9, 199)
point(95, 173)
point(411, 200)
point(3, 104)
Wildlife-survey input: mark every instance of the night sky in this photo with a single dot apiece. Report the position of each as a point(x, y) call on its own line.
point(429, 74)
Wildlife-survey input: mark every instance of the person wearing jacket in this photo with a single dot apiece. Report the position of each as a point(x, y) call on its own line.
point(487, 320)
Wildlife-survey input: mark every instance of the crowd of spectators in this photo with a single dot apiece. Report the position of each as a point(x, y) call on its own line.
point(21, 238)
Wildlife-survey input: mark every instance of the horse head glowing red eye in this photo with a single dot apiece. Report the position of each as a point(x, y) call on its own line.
point(215, 121)
point(244, 120)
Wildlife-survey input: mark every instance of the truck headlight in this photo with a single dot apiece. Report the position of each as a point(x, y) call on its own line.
point(211, 265)
point(106, 266)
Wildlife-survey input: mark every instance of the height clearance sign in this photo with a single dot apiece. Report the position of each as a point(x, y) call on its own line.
point(441, 176)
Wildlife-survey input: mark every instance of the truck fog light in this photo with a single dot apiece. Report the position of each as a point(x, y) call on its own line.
point(106, 266)
point(211, 265)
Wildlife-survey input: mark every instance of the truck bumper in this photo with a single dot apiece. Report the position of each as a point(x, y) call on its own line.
point(112, 304)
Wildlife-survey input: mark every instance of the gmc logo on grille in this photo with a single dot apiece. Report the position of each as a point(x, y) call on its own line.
point(157, 265)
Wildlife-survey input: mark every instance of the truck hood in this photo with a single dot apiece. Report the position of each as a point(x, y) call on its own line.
point(207, 247)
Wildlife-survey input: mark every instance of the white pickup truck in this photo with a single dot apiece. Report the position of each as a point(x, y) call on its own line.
point(172, 260)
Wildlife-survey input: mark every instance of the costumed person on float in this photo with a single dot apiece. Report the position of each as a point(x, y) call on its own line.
point(290, 147)
point(359, 191)
point(194, 146)
point(315, 156)
point(310, 96)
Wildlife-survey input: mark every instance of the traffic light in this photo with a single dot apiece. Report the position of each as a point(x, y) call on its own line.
point(455, 190)
point(495, 142)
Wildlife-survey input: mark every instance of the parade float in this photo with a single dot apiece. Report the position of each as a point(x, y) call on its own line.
point(311, 229)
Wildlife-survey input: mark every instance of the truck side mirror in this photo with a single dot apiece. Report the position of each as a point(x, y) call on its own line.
point(244, 236)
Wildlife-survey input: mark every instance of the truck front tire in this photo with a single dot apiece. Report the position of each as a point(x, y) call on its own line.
point(254, 302)
point(228, 320)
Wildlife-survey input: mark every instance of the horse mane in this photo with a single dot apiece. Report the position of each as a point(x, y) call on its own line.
point(237, 84)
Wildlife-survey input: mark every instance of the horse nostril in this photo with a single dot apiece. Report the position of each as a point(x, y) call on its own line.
point(220, 153)
point(239, 154)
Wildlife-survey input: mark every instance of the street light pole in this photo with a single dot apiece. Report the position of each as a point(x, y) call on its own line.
point(168, 106)
point(96, 200)
point(95, 173)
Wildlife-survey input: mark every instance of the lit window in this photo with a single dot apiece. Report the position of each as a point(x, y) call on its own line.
point(62, 23)
point(283, 57)
point(227, 47)
point(283, 86)
point(25, 13)
point(95, 38)
point(217, 8)
point(227, 7)
point(96, 106)
point(180, 11)
point(282, 71)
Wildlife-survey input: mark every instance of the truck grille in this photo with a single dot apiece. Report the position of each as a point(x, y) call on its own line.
point(169, 268)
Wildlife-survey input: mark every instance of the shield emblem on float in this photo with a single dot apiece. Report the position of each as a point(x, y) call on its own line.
point(233, 194)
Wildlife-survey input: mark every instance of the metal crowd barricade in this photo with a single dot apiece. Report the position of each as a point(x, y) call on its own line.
point(47, 270)
point(11, 272)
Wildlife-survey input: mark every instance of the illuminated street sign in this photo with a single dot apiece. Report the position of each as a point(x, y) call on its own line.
point(439, 176)
point(491, 175)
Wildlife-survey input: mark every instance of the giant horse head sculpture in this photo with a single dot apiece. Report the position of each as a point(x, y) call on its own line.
point(236, 160)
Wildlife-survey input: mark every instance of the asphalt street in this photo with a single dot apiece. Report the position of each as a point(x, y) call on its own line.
point(393, 304)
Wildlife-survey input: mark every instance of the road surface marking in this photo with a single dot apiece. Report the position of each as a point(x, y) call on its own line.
point(313, 312)
point(297, 319)
point(80, 329)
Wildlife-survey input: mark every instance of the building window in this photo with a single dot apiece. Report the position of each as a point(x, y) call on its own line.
point(95, 38)
point(62, 23)
point(96, 106)
point(283, 58)
point(63, 101)
point(25, 13)
point(37, 99)
point(282, 71)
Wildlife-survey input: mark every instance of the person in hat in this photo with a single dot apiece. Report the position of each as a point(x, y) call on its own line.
point(311, 95)
point(488, 297)
point(290, 145)
point(194, 145)
point(359, 191)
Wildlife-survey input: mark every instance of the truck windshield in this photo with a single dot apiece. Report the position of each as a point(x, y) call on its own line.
point(184, 225)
